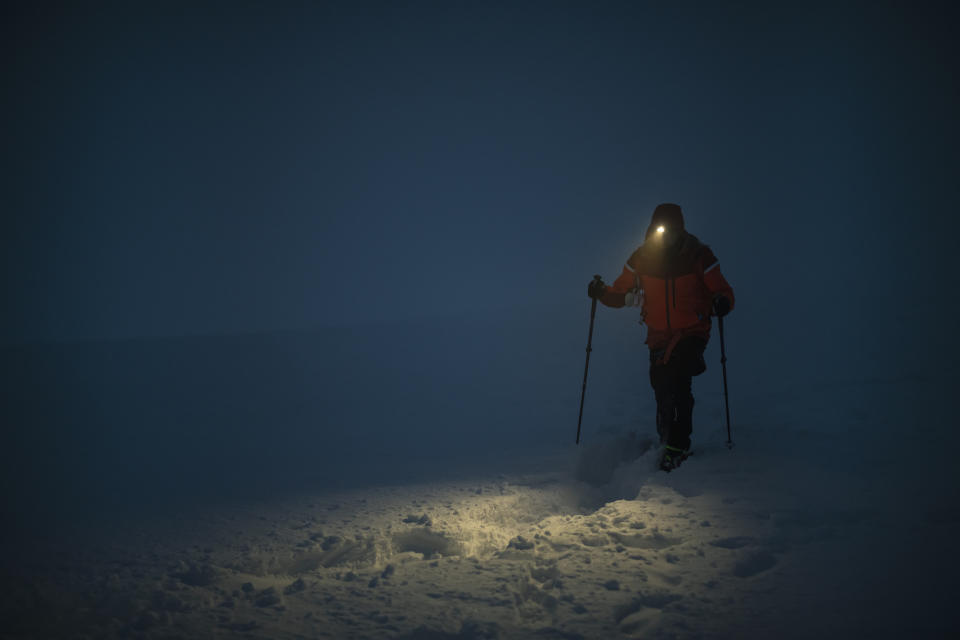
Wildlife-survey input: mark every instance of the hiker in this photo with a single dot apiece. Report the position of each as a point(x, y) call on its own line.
point(676, 282)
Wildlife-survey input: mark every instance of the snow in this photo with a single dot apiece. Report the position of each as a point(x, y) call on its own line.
point(830, 516)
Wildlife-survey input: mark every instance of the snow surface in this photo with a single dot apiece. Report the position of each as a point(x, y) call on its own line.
point(836, 514)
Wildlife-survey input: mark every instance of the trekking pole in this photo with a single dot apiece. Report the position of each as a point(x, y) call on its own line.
point(723, 365)
point(593, 311)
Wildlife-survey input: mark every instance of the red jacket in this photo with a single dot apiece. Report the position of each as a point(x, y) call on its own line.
point(677, 286)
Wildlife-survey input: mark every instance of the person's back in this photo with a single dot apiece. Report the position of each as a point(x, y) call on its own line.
point(677, 282)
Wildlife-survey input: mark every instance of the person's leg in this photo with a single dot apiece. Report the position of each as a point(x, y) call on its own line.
point(666, 409)
point(683, 422)
point(686, 362)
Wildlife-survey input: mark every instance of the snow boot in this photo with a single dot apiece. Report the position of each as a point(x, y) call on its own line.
point(671, 458)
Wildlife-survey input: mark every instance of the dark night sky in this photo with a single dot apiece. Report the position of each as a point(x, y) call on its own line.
point(170, 170)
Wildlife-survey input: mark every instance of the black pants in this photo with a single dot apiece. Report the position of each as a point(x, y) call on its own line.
point(672, 385)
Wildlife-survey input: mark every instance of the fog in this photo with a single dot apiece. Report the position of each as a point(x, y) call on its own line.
point(251, 251)
point(332, 171)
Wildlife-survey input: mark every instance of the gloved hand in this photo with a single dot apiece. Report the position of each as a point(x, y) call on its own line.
point(721, 306)
point(596, 289)
point(633, 298)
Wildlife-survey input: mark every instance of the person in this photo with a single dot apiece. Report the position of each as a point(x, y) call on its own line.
point(676, 281)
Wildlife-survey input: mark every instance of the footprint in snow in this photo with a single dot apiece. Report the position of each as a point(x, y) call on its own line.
point(754, 563)
point(735, 542)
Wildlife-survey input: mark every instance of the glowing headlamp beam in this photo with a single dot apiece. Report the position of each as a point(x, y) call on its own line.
point(661, 229)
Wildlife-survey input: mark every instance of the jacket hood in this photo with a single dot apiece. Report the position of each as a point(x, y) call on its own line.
point(670, 216)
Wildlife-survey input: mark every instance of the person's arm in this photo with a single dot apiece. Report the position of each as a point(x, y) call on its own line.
point(615, 295)
point(718, 286)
